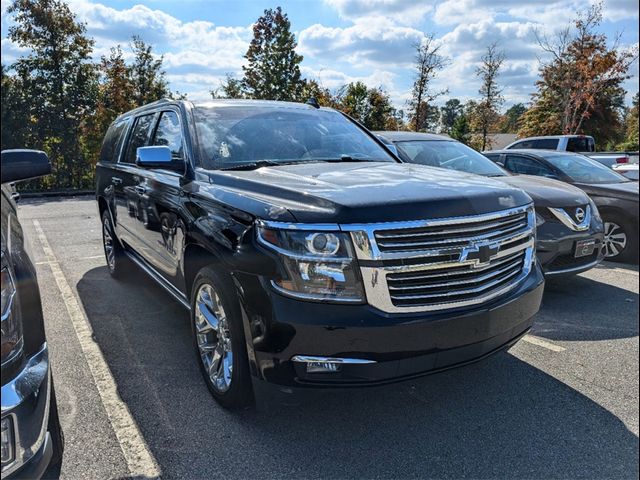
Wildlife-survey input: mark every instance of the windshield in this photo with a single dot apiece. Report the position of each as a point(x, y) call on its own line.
point(448, 154)
point(232, 136)
point(583, 169)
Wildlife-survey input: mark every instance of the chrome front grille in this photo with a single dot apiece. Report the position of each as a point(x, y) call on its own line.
point(453, 284)
point(439, 236)
point(444, 263)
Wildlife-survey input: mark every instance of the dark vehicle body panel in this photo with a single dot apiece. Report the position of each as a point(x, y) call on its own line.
point(555, 243)
point(176, 224)
point(622, 197)
point(26, 378)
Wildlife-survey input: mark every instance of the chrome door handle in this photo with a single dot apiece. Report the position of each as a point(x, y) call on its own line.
point(140, 190)
point(116, 180)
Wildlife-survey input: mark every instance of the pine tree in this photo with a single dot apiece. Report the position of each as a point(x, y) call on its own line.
point(272, 71)
point(146, 74)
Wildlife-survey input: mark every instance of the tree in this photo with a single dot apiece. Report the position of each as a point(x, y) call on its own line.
point(460, 129)
point(312, 89)
point(115, 96)
point(631, 141)
point(230, 87)
point(57, 83)
point(449, 113)
point(15, 123)
point(509, 122)
point(582, 80)
point(490, 92)
point(372, 107)
point(428, 63)
point(146, 74)
point(272, 71)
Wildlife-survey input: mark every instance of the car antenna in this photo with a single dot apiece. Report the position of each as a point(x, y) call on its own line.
point(313, 102)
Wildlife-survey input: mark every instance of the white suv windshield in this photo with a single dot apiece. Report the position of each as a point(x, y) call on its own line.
point(232, 136)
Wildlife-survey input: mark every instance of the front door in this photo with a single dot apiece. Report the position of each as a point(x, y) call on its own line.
point(159, 227)
point(126, 181)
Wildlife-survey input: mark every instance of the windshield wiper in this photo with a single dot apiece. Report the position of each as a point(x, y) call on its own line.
point(345, 158)
point(253, 165)
point(272, 163)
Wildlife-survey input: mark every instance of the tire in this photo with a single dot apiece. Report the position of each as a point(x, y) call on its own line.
point(620, 239)
point(218, 336)
point(117, 262)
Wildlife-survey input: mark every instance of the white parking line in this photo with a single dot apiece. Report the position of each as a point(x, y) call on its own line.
point(140, 461)
point(543, 343)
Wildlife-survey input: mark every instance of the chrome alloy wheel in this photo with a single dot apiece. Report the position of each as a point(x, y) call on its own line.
point(615, 239)
point(213, 338)
point(109, 248)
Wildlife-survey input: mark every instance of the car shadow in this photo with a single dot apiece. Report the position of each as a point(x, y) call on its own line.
point(498, 418)
point(579, 308)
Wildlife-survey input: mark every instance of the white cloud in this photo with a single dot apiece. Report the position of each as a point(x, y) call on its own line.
point(378, 42)
point(404, 12)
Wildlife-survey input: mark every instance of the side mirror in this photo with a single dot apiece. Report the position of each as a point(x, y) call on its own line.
point(158, 156)
point(24, 164)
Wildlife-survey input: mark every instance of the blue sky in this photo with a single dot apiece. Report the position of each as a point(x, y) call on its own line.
point(345, 40)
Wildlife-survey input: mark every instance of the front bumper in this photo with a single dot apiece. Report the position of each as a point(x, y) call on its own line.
point(26, 400)
point(397, 346)
point(555, 248)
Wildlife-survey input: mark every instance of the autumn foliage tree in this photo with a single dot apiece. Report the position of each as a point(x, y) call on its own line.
point(370, 106)
point(56, 80)
point(273, 67)
point(581, 81)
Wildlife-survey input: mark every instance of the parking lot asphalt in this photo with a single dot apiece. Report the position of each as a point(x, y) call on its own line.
point(562, 403)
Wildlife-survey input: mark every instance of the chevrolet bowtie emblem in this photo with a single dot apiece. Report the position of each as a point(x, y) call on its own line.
point(481, 253)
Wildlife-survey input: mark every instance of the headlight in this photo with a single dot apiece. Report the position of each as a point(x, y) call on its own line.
point(317, 265)
point(11, 323)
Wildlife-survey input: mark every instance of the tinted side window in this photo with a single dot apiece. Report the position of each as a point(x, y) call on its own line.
point(580, 144)
point(113, 141)
point(526, 166)
point(138, 137)
point(169, 133)
point(544, 143)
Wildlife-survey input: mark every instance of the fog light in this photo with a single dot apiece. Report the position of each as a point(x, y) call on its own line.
point(7, 441)
point(323, 367)
point(328, 364)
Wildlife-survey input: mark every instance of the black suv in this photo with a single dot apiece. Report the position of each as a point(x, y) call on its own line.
point(31, 435)
point(307, 254)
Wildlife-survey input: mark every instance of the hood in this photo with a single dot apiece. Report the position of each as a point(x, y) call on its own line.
point(547, 192)
point(367, 192)
point(622, 190)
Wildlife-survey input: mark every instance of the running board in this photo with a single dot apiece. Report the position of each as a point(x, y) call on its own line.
point(159, 279)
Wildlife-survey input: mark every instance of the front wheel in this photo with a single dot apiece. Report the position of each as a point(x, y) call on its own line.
point(117, 262)
point(219, 339)
point(620, 239)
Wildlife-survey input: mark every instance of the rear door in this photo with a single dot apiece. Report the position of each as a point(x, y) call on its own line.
point(126, 182)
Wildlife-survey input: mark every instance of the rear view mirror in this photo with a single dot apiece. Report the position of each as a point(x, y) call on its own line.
point(158, 156)
point(24, 164)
